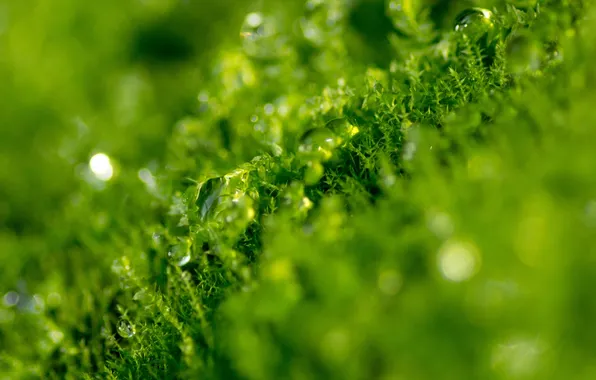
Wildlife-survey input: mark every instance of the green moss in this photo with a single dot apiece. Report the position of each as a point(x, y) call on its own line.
point(316, 189)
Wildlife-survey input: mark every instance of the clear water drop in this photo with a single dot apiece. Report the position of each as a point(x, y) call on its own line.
point(342, 128)
point(143, 297)
point(11, 299)
point(209, 193)
point(474, 22)
point(317, 144)
point(237, 214)
point(125, 329)
point(295, 200)
point(179, 254)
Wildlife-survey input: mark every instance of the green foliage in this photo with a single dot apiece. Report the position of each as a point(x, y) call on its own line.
point(302, 189)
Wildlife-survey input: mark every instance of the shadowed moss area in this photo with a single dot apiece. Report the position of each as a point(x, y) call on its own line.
point(334, 189)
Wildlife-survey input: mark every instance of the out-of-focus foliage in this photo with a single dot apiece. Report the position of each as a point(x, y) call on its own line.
point(359, 189)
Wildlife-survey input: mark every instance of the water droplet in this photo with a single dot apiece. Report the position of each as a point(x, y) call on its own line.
point(389, 282)
point(237, 214)
point(317, 144)
point(523, 54)
point(458, 261)
point(342, 128)
point(474, 22)
point(179, 254)
point(143, 297)
point(313, 172)
point(209, 192)
point(101, 167)
point(125, 329)
point(294, 198)
point(11, 299)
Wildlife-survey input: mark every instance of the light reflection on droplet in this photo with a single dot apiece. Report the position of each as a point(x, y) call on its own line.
point(180, 254)
point(101, 167)
point(11, 299)
point(458, 261)
point(477, 18)
point(317, 144)
point(125, 329)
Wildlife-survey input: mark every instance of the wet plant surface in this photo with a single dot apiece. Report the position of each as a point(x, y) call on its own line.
point(297, 190)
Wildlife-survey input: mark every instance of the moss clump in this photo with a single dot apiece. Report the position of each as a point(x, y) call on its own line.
point(319, 189)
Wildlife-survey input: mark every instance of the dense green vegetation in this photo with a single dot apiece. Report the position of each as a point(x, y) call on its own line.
point(296, 189)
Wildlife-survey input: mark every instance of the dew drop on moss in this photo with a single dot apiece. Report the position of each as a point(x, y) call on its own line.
point(143, 297)
point(295, 199)
point(474, 22)
point(179, 254)
point(125, 329)
point(317, 144)
point(342, 128)
point(237, 214)
point(209, 193)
